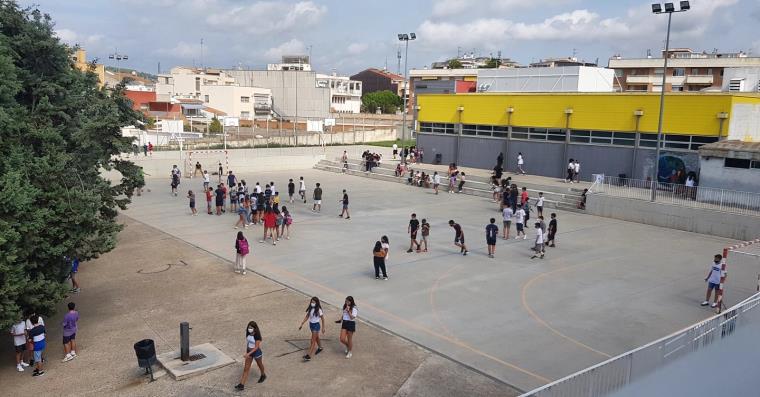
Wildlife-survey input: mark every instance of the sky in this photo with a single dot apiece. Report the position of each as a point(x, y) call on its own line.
point(349, 36)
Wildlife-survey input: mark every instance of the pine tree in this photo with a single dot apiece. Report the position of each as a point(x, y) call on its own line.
point(58, 132)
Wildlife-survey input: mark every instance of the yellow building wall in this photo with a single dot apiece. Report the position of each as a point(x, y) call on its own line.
point(687, 114)
point(80, 62)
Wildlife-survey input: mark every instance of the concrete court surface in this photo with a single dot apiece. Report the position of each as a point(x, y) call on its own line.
point(608, 287)
point(151, 282)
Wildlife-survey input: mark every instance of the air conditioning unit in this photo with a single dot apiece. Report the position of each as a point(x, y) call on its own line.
point(736, 85)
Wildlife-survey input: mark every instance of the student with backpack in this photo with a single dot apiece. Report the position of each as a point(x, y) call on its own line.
point(242, 248)
point(288, 220)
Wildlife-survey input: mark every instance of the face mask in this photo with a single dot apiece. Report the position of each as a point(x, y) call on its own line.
point(313, 304)
point(250, 330)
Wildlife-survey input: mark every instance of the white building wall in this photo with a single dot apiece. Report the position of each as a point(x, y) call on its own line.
point(750, 77)
point(229, 99)
point(744, 123)
point(557, 79)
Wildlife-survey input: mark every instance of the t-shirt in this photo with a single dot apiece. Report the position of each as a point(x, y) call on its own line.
point(208, 195)
point(75, 265)
point(257, 189)
point(315, 317)
point(38, 337)
point(354, 313)
point(219, 195)
point(386, 248)
point(540, 202)
point(539, 236)
point(395, 147)
point(520, 216)
point(492, 231)
point(577, 167)
point(318, 193)
point(291, 187)
point(274, 189)
point(270, 219)
point(524, 197)
point(414, 224)
point(345, 199)
point(231, 180)
point(507, 214)
point(543, 226)
point(425, 229)
point(571, 166)
point(251, 340)
point(19, 328)
point(715, 273)
point(457, 229)
point(301, 185)
point(70, 323)
point(29, 324)
point(437, 179)
point(553, 225)
point(519, 160)
point(205, 178)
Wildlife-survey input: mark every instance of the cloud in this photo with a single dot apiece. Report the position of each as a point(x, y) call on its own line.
point(357, 48)
point(266, 17)
point(291, 47)
point(181, 50)
point(580, 26)
point(446, 8)
point(72, 38)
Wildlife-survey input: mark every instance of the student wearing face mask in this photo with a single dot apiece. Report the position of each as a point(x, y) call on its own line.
point(316, 319)
point(252, 352)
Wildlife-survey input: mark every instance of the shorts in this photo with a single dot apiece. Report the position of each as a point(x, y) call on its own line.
point(414, 234)
point(435, 186)
point(257, 354)
point(507, 224)
point(539, 247)
point(241, 210)
point(37, 356)
point(713, 286)
point(459, 239)
point(67, 339)
point(314, 327)
point(318, 202)
point(192, 204)
point(519, 227)
point(20, 348)
point(220, 203)
point(348, 325)
point(345, 206)
point(491, 241)
point(395, 151)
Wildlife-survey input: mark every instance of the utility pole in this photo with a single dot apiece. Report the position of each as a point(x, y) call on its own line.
point(202, 53)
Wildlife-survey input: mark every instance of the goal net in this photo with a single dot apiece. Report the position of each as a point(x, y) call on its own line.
point(741, 277)
point(209, 161)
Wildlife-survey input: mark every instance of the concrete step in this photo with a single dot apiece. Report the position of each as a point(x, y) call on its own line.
point(565, 203)
point(482, 185)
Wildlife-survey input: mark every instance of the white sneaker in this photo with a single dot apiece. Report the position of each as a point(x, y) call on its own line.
point(525, 237)
point(243, 272)
point(19, 368)
point(73, 353)
point(68, 357)
point(23, 364)
point(714, 305)
point(705, 303)
point(261, 241)
point(348, 355)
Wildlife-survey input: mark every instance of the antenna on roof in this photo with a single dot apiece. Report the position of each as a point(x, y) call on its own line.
point(398, 56)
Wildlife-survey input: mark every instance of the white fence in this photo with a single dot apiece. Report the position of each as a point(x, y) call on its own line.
point(669, 193)
point(614, 374)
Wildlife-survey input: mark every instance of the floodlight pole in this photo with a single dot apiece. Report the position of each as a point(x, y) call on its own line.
point(406, 93)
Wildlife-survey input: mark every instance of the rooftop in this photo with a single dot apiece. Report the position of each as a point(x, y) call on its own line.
point(733, 149)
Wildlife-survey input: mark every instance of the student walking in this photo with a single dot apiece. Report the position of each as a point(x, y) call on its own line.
point(552, 230)
point(570, 171)
point(175, 180)
point(458, 237)
point(414, 225)
point(713, 280)
point(520, 163)
point(540, 204)
point(191, 197)
point(436, 181)
point(252, 352)
point(206, 180)
point(291, 190)
point(344, 160)
point(425, 228)
point(219, 197)
point(577, 171)
point(73, 275)
point(344, 201)
point(348, 325)
point(209, 195)
point(242, 250)
point(539, 243)
point(386, 246)
point(317, 199)
point(316, 319)
point(70, 332)
point(492, 231)
point(287, 221)
point(520, 222)
point(378, 260)
point(36, 335)
point(302, 189)
point(270, 223)
point(198, 169)
point(461, 182)
point(507, 214)
point(18, 332)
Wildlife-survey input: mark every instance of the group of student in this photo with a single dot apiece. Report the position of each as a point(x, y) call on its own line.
point(411, 154)
point(30, 340)
point(316, 317)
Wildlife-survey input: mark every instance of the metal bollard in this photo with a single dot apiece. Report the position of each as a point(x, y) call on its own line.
point(184, 341)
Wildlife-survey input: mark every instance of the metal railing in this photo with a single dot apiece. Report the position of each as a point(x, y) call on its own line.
point(615, 373)
point(746, 203)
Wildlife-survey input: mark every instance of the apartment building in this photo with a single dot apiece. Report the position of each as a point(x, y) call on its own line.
point(687, 70)
point(80, 62)
point(374, 80)
point(345, 94)
point(215, 89)
point(292, 62)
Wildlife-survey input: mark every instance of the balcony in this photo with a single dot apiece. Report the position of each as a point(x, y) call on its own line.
point(700, 79)
point(656, 79)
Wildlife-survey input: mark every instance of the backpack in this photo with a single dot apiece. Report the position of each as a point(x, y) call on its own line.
point(243, 247)
point(288, 219)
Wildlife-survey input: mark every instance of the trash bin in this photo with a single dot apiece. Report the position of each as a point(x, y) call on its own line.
point(438, 158)
point(146, 355)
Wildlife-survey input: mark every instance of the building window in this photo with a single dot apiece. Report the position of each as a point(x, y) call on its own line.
point(709, 72)
point(681, 72)
point(695, 71)
point(618, 73)
point(658, 72)
point(205, 98)
point(520, 133)
point(438, 128)
point(676, 88)
point(736, 163)
point(755, 165)
point(633, 72)
point(245, 115)
point(245, 99)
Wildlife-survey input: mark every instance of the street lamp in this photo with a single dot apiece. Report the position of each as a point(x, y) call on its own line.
point(405, 38)
point(669, 9)
point(118, 57)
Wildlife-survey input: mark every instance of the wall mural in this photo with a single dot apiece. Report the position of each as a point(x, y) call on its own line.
point(675, 167)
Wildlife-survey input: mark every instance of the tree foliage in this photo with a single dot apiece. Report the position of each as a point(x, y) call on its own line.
point(386, 101)
point(58, 131)
point(455, 64)
point(215, 126)
point(492, 63)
